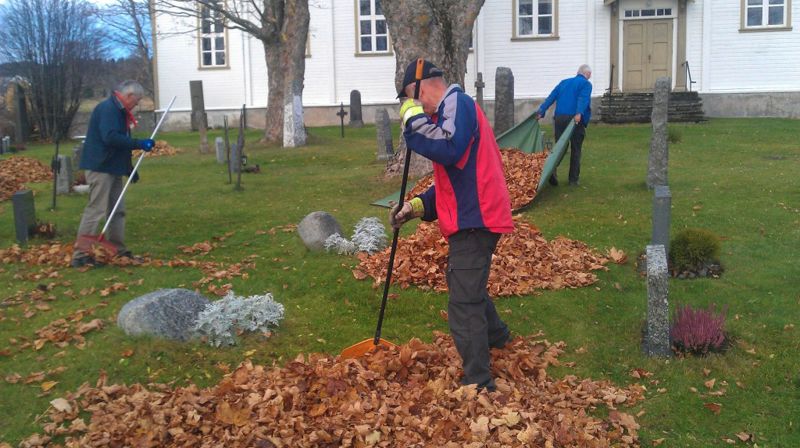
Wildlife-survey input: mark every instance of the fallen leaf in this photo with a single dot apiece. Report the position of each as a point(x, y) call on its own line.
point(657, 442)
point(713, 407)
point(61, 405)
point(710, 383)
point(744, 437)
point(47, 385)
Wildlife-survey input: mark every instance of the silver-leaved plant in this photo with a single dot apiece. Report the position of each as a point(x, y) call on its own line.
point(221, 320)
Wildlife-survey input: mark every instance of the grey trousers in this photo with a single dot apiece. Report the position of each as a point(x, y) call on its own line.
point(474, 322)
point(104, 189)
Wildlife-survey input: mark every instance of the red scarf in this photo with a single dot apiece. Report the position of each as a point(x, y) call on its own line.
point(129, 118)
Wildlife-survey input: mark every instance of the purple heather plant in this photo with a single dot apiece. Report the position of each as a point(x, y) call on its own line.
point(698, 331)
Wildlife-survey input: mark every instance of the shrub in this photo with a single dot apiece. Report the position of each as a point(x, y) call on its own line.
point(369, 236)
point(221, 320)
point(674, 135)
point(698, 331)
point(691, 247)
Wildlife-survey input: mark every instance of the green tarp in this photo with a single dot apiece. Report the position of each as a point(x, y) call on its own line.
point(528, 137)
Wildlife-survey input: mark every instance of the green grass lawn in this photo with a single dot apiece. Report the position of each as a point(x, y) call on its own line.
point(735, 177)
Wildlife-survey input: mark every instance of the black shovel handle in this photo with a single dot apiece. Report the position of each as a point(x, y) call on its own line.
point(396, 236)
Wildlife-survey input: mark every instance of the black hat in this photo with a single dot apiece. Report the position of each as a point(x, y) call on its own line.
point(428, 71)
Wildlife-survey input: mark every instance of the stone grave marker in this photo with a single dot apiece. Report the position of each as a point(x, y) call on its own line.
point(383, 128)
point(199, 118)
point(166, 313)
point(77, 151)
point(316, 227)
point(236, 157)
point(6, 145)
point(662, 203)
point(656, 337)
point(65, 176)
point(219, 145)
point(659, 150)
point(479, 85)
point(24, 214)
point(356, 120)
point(503, 100)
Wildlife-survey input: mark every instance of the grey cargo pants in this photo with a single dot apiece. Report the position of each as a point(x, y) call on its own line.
point(473, 319)
point(104, 189)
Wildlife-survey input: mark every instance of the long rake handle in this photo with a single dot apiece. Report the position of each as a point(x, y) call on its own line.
point(396, 236)
point(135, 167)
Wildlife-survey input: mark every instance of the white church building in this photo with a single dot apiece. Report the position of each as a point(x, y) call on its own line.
point(742, 56)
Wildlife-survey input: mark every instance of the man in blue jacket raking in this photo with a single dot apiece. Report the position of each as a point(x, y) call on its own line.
point(573, 102)
point(106, 157)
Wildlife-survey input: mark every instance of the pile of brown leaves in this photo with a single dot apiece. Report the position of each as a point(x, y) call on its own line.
point(404, 396)
point(162, 148)
point(15, 171)
point(523, 262)
point(522, 172)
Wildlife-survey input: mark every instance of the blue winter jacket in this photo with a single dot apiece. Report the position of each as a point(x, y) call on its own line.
point(572, 96)
point(108, 144)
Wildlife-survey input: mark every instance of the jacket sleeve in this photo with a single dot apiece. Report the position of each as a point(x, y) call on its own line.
point(111, 134)
point(445, 141)
point(429, 201)
point(584, 99)
point(549, 101)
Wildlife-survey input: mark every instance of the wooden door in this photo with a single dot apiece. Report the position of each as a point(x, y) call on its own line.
point(647, 53)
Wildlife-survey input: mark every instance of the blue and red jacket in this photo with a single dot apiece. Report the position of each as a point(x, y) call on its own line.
point(469, 190)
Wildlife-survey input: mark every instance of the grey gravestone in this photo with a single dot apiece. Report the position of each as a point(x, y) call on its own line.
point(20, 117)
point(356, 120)
point(65, 176)
point(199, 119)
point(77, 150)
point(383, 128)
point(662, 202)
point(479, 85)
point(656, 338)
point(2, 150)
point(24, 214)
point(6, 145)
point(235, 158)
point(316, 227)
point(219, 144)
point(659, 151)
point(166, 313)
point(294, 132)
point(503, 100)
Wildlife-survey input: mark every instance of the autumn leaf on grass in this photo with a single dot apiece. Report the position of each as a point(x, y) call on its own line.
point(94, 324)
point(657, 442)
point(617, 256)
point(127, 353)
point(744, 437)
point(47, 385)
point(713, 407)
point(13, 378)
point(710, 383)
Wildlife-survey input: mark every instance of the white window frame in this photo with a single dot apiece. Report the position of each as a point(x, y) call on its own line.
point(765, 6)
point(534, 18)
point(373, 19)
point(212, 37)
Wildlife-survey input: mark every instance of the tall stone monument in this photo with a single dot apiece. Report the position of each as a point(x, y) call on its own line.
point(199, 118)
point(356, 120)
point(503, 100)
point(383, 128)
point(659, 151)
point(24, 214)
point(656, 338)
point(662, 203)
point(65, 176)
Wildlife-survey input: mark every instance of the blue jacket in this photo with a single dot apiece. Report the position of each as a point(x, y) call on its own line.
point(572, 96)
point(108, 144)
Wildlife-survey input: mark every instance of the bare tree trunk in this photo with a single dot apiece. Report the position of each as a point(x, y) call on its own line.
point(273, 129)
point(439, 31)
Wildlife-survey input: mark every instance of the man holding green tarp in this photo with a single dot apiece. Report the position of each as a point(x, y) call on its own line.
point(573, 102)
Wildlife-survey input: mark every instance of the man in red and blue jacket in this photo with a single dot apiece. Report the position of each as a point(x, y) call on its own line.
point(469, 198)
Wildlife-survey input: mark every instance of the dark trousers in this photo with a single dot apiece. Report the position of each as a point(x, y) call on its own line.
point(474, 322)
point(575, 142)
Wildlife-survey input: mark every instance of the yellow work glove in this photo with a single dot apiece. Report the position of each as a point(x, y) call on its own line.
point(399, 215)
point(410, 108)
